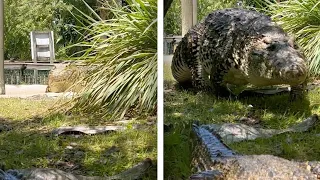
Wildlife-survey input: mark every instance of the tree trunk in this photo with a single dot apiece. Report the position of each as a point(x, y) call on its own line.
point(186, 15)
point(194, 12)
point(167, 4)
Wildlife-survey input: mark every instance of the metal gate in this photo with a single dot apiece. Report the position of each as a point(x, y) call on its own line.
point(27, 76)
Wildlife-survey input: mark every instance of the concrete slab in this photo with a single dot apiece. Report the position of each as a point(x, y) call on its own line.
point(16, 90)
point(32, 92)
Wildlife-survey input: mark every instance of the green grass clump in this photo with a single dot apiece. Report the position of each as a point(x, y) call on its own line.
point(30, 143)
point(121, 53)
point(21, 109)
point(182, 108)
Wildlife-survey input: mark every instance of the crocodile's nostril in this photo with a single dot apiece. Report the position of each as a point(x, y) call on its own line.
point(293, 67)
point(294, 71)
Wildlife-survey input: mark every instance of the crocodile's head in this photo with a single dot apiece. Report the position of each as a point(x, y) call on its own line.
point(276, 59)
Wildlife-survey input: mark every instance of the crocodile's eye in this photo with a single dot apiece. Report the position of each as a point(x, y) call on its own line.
point(272, 47)
point(292, 43)
point(256, 53)
point(267, 40)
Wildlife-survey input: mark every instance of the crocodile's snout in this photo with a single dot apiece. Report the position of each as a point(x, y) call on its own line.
point(287, 62)
point(294, 73)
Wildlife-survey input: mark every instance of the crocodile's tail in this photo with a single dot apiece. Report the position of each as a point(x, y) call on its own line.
point(209, 151)
point(185, 65)
point(212, 143)
point(179, 67)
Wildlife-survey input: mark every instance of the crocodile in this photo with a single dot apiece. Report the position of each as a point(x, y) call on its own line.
point(136, 172)
point(213, 159)
point(234, 49)
point(236, 132)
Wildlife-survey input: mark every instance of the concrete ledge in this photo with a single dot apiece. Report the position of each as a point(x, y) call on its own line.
point(32, 92)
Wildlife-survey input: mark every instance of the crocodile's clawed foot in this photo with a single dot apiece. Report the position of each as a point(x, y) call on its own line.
point(297, 93)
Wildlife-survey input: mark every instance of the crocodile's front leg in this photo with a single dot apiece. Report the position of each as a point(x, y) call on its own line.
point(216, 81)
point(298, 92)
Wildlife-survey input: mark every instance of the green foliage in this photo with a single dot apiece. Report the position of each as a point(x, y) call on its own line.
point(206, 7)
point(22, 17)
point(172, 21)
point(65, 23)
point(302, 20)
point(122, 58)
point(258, 5)
point(178, 145)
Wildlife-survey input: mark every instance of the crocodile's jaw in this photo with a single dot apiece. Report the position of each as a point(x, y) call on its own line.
point(266, 76)
point(277, 78)
point(263, 74)
point(236, 81)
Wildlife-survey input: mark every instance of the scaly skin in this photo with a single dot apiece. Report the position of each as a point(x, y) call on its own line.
point(236, 48)
point(135, 172)
point(214, 160)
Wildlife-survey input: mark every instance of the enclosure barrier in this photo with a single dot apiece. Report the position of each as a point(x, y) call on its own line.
point(27, 73)
point(16, 77)
point(170, 43)
point(42, 46)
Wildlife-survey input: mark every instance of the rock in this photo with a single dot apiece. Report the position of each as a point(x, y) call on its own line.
point(5, 128)
point(69, 147)
point(87, 130)
point(73, 144)
point(136, 172)
point(63, 76)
